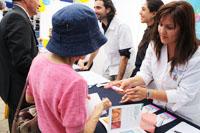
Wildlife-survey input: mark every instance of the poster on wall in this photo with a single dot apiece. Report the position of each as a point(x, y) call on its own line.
point(196, 6)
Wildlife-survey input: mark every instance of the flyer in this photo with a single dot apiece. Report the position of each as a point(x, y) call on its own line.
point(124, 119)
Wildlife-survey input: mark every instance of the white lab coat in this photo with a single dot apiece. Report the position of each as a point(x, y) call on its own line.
point(119, 37)
point(182, 88)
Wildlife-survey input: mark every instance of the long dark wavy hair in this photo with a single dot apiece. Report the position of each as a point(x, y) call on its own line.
point(153, 6)
point(109, 4)
point(183, 15)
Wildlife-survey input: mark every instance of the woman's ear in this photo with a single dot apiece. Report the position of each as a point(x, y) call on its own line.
point(153, 14)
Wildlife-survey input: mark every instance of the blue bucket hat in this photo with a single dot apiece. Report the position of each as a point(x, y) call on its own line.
point(75, 32)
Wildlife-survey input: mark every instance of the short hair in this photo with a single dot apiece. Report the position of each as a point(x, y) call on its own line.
point(109, 4)
point(154, 5)
point(182, 14)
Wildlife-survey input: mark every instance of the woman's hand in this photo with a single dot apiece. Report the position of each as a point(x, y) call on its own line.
point(113, 83)
point(94, 117)
point(104, 105)
point(134, 94)
point(123, 84)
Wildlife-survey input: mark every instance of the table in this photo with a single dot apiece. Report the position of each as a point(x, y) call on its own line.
point(115, 98)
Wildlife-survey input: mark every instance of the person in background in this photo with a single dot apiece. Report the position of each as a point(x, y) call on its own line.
point(147, 14)
point(18, 47)
point(59, 92)
point(117, 50)
point(2, 7)
point(172, 61)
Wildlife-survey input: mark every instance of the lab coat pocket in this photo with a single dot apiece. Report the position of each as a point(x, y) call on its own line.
point(114, 59)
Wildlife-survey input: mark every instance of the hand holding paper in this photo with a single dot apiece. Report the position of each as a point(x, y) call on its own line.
point(137, 93)
point(113, 83)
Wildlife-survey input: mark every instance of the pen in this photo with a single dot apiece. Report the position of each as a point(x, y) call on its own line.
point(101, 84)
point(175, 131)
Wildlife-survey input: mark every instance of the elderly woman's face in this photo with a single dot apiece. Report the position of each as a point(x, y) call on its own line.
point(168, 32)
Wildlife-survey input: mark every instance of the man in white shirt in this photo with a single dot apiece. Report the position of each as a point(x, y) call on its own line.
point(116, 51)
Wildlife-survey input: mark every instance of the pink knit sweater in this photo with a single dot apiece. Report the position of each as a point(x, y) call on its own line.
point(60, 96)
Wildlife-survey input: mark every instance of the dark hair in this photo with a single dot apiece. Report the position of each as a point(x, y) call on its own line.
point(154, 5)
point(183, 15)
point(2, 6)
point(109, 4)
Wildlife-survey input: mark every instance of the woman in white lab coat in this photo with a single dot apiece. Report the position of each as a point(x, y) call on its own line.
point(172, 62)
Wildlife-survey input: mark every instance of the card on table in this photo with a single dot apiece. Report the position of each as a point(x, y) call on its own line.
point(150, 109)
point(164, 118)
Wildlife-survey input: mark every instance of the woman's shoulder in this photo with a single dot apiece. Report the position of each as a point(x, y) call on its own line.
point(195, 59)
point(196, 55)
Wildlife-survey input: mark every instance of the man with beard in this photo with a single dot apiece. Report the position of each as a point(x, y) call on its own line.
point(117, 50)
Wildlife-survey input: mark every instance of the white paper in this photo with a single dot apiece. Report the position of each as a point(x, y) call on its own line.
point(183, 127)
point(93, 78)
point(105, 122)
point(92, 102)
point(125, 119)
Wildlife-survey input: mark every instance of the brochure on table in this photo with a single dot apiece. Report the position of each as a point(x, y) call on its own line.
point(93, 78)
point(125, 119)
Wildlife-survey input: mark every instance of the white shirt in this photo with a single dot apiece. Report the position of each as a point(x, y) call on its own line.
point(1, 15)
point(119, 37)
point(182, 88)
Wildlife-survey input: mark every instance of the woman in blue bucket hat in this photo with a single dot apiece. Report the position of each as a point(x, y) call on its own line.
point(59, 93)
